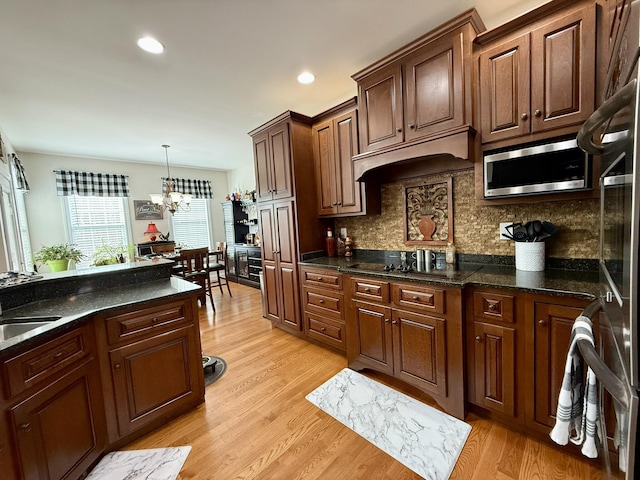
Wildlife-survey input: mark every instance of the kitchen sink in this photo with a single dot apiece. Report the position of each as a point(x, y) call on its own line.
point(10, 330)
point(13, 326)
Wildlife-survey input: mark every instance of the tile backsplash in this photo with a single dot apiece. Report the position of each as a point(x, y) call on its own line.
point(476, 228)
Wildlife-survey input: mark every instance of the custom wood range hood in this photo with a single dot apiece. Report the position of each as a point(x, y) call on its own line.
point(415, 105)
point(451, 151)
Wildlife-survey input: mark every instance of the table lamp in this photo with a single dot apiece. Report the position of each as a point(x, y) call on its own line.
point(152, 231)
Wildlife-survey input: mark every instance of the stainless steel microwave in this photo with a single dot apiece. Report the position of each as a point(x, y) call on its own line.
point(536, 169)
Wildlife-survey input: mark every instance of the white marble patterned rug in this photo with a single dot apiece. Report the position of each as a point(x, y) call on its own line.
point(151, 464)
point(420, 437)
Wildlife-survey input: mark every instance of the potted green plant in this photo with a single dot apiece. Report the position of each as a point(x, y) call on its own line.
point(57, 257)
point(109, 255)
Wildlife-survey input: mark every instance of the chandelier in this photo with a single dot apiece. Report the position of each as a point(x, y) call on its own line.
point(171, 199)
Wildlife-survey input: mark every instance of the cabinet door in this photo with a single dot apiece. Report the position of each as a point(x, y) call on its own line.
point(494, 361)
point(434, 90)
point(323, 146)
point(267, 233)
point(374, 345)
point(153, 376)
point(505, 90)
point(287, 265)
point(346, 146)
point(553, 325)
point(271, 281)
point(264, 167)
point(380, 107)
point(563, 70)
point(280, 150)
point(60, 431)
point(419, 347)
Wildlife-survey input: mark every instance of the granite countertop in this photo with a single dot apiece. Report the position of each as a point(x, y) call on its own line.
point(578, 284)
point(78, 306)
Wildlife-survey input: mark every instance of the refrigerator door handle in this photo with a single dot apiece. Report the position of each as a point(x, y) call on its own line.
point(608, 379)
point(598, 118)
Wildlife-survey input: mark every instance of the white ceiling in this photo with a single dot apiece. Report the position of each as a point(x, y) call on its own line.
point(73, 82)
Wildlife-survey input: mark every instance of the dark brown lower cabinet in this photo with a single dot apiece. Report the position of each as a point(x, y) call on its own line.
point(494, 357)
point(152, 375)
point(517, 345)
point(412, 332)
point(151, 365)
point(59, 430)
point(55, 423)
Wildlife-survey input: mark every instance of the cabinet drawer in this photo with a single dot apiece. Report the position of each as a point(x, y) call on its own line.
point(133, 325)
point(325, 330)
point(47, 360)
point(322, 301)
point(416, 296)
point(493, 306)
point(324, 278)
point(369, 289)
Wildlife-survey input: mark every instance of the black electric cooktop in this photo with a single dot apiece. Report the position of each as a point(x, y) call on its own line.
point(449, 272)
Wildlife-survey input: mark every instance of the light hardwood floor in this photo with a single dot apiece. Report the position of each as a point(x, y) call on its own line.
point(256, 423)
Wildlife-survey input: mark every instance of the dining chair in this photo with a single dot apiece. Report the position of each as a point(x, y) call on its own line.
point(217, 266)
point(195, 268)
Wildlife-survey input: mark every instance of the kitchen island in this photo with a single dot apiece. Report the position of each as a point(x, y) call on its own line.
point(117, 355)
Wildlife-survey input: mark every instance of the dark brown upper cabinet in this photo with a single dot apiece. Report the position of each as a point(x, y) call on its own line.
point(335, 142)
point(538, 80)
point(417, 101)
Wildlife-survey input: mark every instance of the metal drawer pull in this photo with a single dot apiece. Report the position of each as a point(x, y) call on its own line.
point(320, 301)
point(367, 289)
point(415, 297)
point(608, 379)
point(478, 338)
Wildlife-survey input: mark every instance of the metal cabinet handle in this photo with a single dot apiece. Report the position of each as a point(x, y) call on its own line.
point(415, 297)
point(319, 279)
point(367, 289)
point(386, 320)
point(395, 322)
point(491, 306)
point(478, 338)
point(321, 301)
point(26, 427)
point(537, 113)
point(411, 125)
point(524, 116)
point(542, 323)
point(322, 329)
point(399, 130)
point(117, 366)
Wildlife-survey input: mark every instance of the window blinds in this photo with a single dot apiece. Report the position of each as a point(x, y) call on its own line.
point(191, 228)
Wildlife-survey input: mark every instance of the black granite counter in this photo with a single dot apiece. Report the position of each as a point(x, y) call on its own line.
point(573, 283)
point(76, 295)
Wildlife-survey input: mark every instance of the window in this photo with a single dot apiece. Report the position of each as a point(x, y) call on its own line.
point(191, 229)
point(97, 221)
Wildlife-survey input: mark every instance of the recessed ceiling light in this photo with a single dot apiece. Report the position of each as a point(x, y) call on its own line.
point(306, 77)
point(151, 45)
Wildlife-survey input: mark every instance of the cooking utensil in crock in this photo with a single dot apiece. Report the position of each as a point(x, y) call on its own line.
point(520, 234)
point(534, 230)
point(548, 229)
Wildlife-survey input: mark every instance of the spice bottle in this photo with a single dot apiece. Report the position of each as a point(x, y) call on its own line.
point(450, 253)
point(331, 243)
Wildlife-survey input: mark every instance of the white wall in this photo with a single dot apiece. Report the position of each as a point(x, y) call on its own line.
point(242, 179)
point(45, 210)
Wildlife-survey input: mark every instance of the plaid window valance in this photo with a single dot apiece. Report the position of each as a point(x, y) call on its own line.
point(88, 184)
point(21, 178)
point(196, 188)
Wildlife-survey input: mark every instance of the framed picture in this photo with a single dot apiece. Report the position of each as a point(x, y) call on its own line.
point(428, 213)
point(145, 210)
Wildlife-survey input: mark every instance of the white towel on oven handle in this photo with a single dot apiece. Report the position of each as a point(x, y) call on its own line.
point(577, 413)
